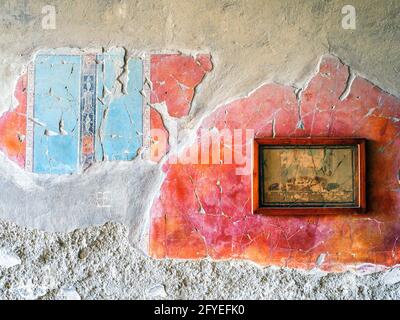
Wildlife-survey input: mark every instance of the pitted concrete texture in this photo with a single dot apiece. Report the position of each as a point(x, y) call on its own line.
point(100, 263)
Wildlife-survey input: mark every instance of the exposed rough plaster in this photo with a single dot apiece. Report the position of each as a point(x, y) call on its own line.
point(100, 263)
point(123, 201)
point(8, 259)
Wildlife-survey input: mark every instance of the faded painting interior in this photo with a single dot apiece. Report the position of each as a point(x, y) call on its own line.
point(308, 176)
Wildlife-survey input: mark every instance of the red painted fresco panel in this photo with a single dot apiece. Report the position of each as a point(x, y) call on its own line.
point(205, 209)
point(13, 126)
point(174, 78)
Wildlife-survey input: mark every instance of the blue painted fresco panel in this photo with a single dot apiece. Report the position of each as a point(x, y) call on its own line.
point(119, 120)
point(57, 81)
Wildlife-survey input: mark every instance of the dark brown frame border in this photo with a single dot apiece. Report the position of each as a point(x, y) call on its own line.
point(321, 141)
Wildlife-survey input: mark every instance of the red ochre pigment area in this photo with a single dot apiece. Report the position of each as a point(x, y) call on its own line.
point(159, 136)
point(174, 78)
point(204, 210)
point(13, 126)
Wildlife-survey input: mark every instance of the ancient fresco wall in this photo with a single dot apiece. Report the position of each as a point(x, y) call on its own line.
point(81, 134)
point(111, 133)
point(13, 126)
point(204, 209)
point(70, 115)
point(77, 109)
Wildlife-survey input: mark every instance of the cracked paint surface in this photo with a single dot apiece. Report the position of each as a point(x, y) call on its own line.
point(119, 120)
point(89, 107)
point(56, 99)
point(174, 79)
point(13, 126)
point(85, 107)
point(159, 142)
point(205, 210)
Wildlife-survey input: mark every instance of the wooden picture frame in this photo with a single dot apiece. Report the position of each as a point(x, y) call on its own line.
point(277, 198)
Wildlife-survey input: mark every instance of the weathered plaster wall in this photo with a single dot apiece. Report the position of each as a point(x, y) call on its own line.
point(251, 43)
point(100, 263)
point(205, 207)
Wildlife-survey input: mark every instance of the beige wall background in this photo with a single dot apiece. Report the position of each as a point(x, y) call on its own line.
point(251, 41)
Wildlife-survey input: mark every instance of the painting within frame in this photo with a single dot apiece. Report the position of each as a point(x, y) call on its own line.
point(296, 176)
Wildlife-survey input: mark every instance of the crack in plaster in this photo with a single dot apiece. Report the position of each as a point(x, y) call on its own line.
point(349, 83)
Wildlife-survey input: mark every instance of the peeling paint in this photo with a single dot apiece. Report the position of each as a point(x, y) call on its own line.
point(83, 107)
point(174, 78)
point(226, 228)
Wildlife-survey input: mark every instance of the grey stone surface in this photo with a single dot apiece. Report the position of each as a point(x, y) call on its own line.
point(100, 263)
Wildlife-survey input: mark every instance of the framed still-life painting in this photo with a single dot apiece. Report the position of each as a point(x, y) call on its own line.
point(297, 176)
